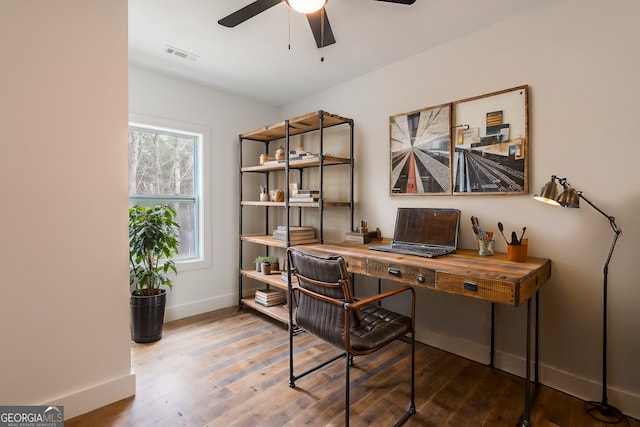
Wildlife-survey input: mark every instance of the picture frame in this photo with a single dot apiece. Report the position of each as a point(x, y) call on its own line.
point(477, 145)
point(496, 160)
point(420, 146)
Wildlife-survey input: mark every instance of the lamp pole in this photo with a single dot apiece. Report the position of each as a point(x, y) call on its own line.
point(570, 198)
point(602, 411)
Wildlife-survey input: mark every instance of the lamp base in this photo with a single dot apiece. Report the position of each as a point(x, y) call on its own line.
point(604, 412)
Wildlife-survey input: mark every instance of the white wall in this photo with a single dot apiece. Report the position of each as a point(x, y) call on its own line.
point(580, 61)
point(212, 284)
point(64, 315)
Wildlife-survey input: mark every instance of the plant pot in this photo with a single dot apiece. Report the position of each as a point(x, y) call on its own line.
point(266, 268)
point(147, 317)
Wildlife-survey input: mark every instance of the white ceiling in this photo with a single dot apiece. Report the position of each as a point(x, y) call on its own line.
point(253, 59)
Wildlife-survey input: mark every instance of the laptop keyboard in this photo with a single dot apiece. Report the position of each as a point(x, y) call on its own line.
point(425, 252)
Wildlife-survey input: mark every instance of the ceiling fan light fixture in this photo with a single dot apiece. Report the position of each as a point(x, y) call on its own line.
point(306, 6)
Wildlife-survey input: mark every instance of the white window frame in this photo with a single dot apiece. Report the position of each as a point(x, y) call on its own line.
point(203, 176)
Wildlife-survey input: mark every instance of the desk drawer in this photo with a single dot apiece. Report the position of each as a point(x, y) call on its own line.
point(356, 265)
point(488, 289)
point(411, 275)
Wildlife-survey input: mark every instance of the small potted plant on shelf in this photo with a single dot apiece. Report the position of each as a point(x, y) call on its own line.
point(153, 242)
point(273, 261)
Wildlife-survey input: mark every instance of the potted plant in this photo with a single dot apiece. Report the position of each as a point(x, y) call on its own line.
point(153, 242)
point(270, 259)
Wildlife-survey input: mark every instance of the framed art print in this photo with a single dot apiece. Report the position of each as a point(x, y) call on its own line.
point(491, 151)
point(420, 143)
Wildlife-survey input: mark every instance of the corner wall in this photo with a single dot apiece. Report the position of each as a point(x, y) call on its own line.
point(64, 316)
point(579, 60)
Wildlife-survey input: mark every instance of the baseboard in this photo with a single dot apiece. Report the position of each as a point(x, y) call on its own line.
point(567, 382)
point(563, 381)
point(467, 349)
point(96, 397)
point(199, 307)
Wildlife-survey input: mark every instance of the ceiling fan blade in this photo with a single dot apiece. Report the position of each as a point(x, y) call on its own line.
point(315, 21)
point(408, 2)
point(247, 12)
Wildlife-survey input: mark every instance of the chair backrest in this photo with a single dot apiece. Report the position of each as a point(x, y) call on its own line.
point(324, 286)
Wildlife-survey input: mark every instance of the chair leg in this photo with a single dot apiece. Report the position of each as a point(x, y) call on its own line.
point(412, 403)
point(346, 396)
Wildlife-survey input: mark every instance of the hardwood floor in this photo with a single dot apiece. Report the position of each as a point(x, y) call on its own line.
point(231, 369)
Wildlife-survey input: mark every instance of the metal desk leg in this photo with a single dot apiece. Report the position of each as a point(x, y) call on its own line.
point(530, 395)
point(525, 418)
point(536, 376)
point(493, 342)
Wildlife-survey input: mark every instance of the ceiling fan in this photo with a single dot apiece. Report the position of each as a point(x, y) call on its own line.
point(318, 19)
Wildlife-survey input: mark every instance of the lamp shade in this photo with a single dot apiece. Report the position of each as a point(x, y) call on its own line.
point(569, 198)
point(549, 193)
point(306, 6)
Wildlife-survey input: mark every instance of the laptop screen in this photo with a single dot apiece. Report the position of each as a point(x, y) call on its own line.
point(427, 226)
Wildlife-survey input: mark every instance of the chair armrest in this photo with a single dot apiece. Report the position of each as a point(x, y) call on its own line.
point(374, 298)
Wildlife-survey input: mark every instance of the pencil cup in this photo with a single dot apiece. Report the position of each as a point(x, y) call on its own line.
point(485, 248)
point(518, 253)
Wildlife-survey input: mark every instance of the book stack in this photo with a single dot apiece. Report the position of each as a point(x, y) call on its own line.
point(284, 276)
point(305, 196)
point(268, 297)
point(356, 237)
point(300, 155)
point(297, 235)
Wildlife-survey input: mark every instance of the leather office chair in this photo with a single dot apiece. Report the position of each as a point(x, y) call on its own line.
point(326, 308)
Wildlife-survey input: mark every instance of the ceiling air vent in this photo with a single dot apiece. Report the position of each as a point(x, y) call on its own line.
point(180, 53)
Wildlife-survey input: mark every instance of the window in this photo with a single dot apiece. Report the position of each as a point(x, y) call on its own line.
point(163, 169)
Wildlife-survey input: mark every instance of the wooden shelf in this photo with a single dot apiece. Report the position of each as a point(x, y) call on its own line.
point(297, 125)
point(295, 204)
point(278, 312)
point(268, 240)
point(312, 161)
point(272, 279)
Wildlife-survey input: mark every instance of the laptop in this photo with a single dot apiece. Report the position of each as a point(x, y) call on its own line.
point(425, 232)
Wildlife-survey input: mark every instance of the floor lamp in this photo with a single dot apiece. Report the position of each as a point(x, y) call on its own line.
point(570, 198)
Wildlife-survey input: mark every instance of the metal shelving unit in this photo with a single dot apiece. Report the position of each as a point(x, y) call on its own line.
point(312, 123)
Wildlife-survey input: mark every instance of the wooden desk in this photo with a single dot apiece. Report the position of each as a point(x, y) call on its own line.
point(493, 278)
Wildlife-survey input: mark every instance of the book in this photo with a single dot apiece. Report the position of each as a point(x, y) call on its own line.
point(266, 292)
point(284, 276)
point(270, 304)
point(274, 300)
point(301, 241)
point(297, 240)
point(297, 234)
point(282, 234)
point(300, 199)
point(294, 228)
point(271, 163)
point(268, 297)
point(356, 237)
